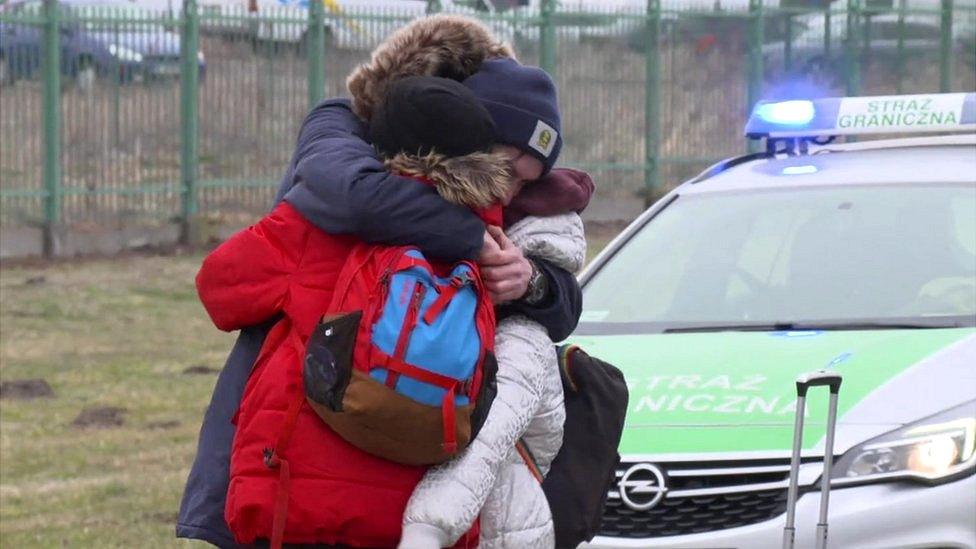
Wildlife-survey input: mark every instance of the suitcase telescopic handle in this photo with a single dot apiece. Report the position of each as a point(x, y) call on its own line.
point(819, 378)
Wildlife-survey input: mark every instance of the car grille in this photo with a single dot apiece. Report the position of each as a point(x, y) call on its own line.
point(700, 497)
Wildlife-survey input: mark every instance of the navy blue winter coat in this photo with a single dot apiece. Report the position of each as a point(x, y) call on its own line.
point(336, 181)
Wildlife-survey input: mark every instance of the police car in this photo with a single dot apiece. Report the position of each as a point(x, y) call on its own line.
point(858, 257)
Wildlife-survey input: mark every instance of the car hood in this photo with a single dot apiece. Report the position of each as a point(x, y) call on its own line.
point(146, 43)
point(733, 392)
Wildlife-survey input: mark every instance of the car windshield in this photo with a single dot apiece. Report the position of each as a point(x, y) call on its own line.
point(822, 258)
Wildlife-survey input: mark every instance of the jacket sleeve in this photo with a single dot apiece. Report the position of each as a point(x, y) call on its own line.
point(559, 312)
point(339, 185)
point(245, 280)
point(450, 496)
point(557, 244)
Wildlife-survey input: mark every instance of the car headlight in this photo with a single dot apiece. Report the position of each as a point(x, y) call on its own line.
point(936, 449)
point(123, 53)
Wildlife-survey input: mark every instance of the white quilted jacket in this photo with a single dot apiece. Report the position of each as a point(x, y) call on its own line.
point(489, 477)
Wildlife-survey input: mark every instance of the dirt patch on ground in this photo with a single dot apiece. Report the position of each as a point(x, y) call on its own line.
point(200, 369)
point(104, 417)
point(170, 424)
point(25, 389)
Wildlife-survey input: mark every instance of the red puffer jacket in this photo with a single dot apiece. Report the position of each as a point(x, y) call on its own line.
point(337, 494)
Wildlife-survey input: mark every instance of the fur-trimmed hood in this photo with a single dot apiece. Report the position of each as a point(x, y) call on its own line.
point(476, 180)
point(449, 46)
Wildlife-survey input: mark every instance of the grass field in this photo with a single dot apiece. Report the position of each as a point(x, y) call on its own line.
point(105, 335)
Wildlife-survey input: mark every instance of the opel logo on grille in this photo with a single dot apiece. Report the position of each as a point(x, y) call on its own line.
point(642, 486)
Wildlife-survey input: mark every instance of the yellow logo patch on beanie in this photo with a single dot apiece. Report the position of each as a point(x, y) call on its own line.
point(543, 138)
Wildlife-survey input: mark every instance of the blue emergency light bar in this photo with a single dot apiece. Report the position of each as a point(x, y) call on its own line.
point(835, 116)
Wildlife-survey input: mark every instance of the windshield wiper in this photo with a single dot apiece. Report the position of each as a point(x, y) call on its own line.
point(880, 325)
point(799, 327)
point(777, 327)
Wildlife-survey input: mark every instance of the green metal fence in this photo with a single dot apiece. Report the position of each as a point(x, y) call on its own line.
point(114, 115)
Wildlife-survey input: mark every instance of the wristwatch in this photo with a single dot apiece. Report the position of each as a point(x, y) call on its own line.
point(538, 286)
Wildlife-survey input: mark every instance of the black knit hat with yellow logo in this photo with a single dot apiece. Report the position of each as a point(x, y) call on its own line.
point(522, 102)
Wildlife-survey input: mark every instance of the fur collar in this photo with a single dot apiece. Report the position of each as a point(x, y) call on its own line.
point(449, 46)
point(476, 180)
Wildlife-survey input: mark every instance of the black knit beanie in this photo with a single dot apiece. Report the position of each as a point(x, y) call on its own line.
point(522, 102)
point(421, 114)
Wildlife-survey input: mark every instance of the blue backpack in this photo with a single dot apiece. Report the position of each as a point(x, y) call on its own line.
point(400, 364)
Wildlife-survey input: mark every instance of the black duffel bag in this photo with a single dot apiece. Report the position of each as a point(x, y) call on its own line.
point(584, 469)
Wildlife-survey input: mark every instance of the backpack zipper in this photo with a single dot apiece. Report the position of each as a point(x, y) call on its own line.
point(409, 324)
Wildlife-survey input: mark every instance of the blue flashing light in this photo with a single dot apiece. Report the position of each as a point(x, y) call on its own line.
point(796, 112)
point(799, 170)
point(836, 116)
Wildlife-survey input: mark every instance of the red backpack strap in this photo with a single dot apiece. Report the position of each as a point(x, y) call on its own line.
point(529, 460)
point(448, 412)
point(273, 457)
point(281, 505)
point(449, 422)
point(447, 293)
point(409, 323)
point(407, 262)
point(485, 321)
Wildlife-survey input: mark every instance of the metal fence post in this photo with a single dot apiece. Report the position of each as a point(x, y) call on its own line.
point(852, 49)
point(116, 115)
point(547, 34)
point(756, 31)
point(788, 45)
point(52, 127)
point(652, 100)
point(189, 138)
point(945, 48)
point(866, 37)
point(900, 55)
point(316, 52)
point(827, 18)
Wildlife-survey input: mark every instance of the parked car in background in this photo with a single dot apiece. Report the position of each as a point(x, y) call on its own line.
point(132, 45)
point(219, 17)
point(362, 24)
point(707, 23)
point(597, 20)
point(885, 34)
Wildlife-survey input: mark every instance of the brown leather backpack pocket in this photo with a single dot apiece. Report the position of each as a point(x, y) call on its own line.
point(384, 423)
